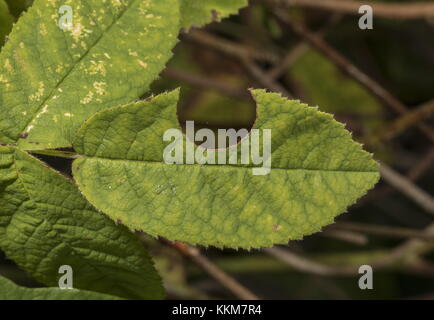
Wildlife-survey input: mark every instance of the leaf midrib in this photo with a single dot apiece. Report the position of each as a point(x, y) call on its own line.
point(151, 162)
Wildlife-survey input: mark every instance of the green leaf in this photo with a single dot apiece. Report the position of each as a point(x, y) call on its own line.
point(17, 7)
point(200, 12)
point(6, 21)
point(10, 291)
point(51, 80)
point(45, 223)
point(317, 172)
point(339, 93)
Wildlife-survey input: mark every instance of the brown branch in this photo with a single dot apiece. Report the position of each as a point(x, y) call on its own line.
point(349, 236)
point(306, 265)
point(206, 83)
point(245, 55)
point(231, 48)
point(413, 174)
point(351, 70)
point(401, 257)
point(403, 123)
point(290, 58)
point(406, 187)
point(263, 78)
point(414, 10)
point(295, 53)
point(409, 250)
point(422, 166)
point(393, 232)
point(405, 257)
point(214, 271)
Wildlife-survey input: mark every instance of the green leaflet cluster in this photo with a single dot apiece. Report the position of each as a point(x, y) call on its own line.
point(63, 88)
point(51, 80)
point(45, 223)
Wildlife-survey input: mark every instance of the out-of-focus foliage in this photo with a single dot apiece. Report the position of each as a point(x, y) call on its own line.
point(6, 21)
point(325, 86)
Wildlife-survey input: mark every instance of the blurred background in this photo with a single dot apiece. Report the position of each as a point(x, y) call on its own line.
point(379, 82)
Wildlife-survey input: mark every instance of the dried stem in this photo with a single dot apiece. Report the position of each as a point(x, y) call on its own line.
point(413, 174)
point(350, 69)
point(263, 78)
point(404, 185)
point(215, 272)
point(207, 83)
point(413, 10)
point(303, 264)
point(386, 231)
point(231, 48)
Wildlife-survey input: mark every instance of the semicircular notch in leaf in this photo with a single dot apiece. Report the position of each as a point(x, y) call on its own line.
point(52, 78)
point(11, 291)
point(317, 171)
point(45, 223)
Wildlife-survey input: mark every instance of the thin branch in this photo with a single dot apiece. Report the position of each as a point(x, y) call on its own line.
point(409, 250)
point(350, 69)
point(245, 55)
point(393, 232)
point(417, 171)
point(206, 83)
point(401, 124)
point(306, 265)
point(349, 236)
point(405, 257)
point(214, 271)
point(290, 58)
point(413, 10)
point(405, 186)
point(263, 78)
point(422, 166)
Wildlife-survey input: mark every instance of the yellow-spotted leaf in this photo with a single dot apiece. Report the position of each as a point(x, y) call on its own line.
point(67, 59)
